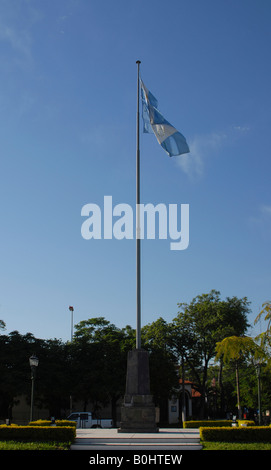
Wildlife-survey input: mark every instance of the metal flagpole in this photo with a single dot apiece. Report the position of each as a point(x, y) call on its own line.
point(138, 415)
point(71, 310)
point(138, 277)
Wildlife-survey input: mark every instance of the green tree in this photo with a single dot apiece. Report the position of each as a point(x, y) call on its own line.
point(99, 361)
point(53, 376)
point(15, 350)
point(235, 348)
point(199, 326)
point(266, 310)
point(156, 338)
point(157, 335)
point(265, 337)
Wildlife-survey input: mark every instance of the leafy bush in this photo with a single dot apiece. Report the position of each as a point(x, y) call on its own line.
point(66, 422)
point(25, 445)
point(37, 433)
point(220, 423)
point(40, 422)
point(58, 422)
point(248, 422)
point(235, 434)
point(209, 423)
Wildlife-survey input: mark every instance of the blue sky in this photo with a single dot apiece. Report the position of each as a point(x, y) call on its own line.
point(67, 138)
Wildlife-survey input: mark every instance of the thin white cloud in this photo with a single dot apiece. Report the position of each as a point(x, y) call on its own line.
point(16, 22)
point(261, 220)
point(241, 128)
point(266, 210)
point(19, 41)
point(205, 146)
point(201, 147)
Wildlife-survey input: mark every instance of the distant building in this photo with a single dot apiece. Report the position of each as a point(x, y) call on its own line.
point(192, 397)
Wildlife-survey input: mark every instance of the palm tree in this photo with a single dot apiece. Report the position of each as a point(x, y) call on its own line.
point(265, 337)
point(233, 348)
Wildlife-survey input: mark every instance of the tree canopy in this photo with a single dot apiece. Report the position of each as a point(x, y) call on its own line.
point(92, 367)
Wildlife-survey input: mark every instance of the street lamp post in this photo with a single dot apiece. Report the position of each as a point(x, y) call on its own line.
point(33, 362)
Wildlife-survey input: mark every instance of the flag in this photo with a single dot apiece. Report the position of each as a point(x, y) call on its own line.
point(172, 141)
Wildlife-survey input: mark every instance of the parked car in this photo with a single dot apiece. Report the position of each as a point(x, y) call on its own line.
point(85, 420)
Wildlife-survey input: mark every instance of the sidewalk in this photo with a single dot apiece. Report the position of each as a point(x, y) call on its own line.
point(110, 439)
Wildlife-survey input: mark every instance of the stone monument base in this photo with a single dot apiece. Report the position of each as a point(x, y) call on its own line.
point(138, 410)
point(138, 414)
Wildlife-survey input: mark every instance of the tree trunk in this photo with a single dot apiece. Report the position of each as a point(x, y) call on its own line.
point(183, 393)
point(203, 398)
point(221, 390)
point(238, 392)
point(114, 400)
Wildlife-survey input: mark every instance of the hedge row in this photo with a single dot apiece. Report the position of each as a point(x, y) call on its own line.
point(234, 434)
point(221, 423)
point(246, 422)
point(197, 424)
point(58, 422)
point(37, 433)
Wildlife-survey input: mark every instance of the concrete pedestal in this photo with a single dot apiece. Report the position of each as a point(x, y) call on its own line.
point(138, 410)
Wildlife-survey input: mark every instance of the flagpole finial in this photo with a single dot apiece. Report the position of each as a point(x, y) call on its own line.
point(138, 61)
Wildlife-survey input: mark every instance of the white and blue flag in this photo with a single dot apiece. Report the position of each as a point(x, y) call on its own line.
point(172, 141)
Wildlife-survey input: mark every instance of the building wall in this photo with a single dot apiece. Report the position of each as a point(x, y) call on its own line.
point(175, 405)
point(21, 411)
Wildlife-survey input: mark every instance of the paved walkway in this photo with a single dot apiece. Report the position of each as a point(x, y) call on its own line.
point(110, 439)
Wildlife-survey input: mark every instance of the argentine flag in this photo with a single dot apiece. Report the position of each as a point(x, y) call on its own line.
point(172, 141)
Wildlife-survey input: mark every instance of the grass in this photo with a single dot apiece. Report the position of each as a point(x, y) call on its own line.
point(16, 445)
point(236, 445)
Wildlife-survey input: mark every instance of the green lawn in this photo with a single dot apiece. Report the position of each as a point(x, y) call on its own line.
point(236, 446)
point(15, 445)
